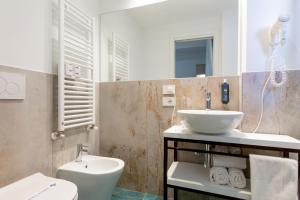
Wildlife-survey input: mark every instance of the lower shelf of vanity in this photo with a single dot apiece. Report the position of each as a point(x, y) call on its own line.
point(196, 177)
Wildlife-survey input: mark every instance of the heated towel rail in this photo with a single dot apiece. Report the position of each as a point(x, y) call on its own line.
point(76, 73)
point(120, 59)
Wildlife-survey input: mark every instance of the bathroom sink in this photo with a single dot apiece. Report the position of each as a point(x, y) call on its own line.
point(95, 177)
point(211, 121)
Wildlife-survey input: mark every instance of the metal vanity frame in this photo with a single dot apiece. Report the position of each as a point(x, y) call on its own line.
point(175, 147)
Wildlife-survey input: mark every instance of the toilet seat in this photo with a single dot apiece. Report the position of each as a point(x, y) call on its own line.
point(40, 187)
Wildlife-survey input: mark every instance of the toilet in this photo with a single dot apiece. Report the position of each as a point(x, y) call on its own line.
point(40, 187)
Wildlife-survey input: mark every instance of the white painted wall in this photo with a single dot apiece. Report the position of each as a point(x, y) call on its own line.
point(297, 32)
point(230, 40)
point(121, 24)
point(25, 35)
point(27, 31)
point(261, 15)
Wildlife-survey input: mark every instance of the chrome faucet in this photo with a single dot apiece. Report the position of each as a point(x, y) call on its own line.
point(207, 156)
point(81, 148)
point(208, 100)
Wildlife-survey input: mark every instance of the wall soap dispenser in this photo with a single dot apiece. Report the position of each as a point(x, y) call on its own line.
point(225, 92)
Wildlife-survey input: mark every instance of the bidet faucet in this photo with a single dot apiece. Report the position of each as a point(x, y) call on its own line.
point(207, 158)
point(80, 149)
point(208, 100)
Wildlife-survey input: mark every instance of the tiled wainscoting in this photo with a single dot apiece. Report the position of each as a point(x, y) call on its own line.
point(131, 121)
point(281, 104)
point(132, 118)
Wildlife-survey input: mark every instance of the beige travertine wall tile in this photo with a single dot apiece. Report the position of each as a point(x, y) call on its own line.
point(132, 121)
point(214, 85)
point(281, 104)
point(25, 128)
point(123, 129)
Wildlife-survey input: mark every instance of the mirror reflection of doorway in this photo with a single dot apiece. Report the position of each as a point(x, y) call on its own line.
point(194, 57)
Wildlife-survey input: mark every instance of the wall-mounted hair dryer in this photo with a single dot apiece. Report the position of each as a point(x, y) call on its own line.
point(278, 41)
point(279, 31)
point(276, 61)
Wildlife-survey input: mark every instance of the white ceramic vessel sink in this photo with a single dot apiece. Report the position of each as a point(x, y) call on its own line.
point(211, 121)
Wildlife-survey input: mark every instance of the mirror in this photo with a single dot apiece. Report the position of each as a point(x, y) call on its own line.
point(172, 39)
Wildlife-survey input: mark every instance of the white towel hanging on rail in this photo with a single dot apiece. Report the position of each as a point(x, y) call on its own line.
point(273, 178)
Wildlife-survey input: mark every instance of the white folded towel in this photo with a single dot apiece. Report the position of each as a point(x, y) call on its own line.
point(219, 175)
point(229, 162)
point(237, 178)
point(273, 178)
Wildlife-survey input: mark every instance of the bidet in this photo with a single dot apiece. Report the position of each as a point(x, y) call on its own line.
point(95, 177)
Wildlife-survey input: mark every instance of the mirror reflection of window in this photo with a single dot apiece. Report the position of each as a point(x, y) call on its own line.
point(194, 58)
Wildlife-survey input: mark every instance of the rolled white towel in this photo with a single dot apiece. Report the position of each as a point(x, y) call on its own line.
point(237, 178)
point(219, 175)
point(229, 162)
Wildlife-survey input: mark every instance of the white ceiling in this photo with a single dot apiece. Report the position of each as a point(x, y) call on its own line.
point(173, 11)
point(98, 7)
